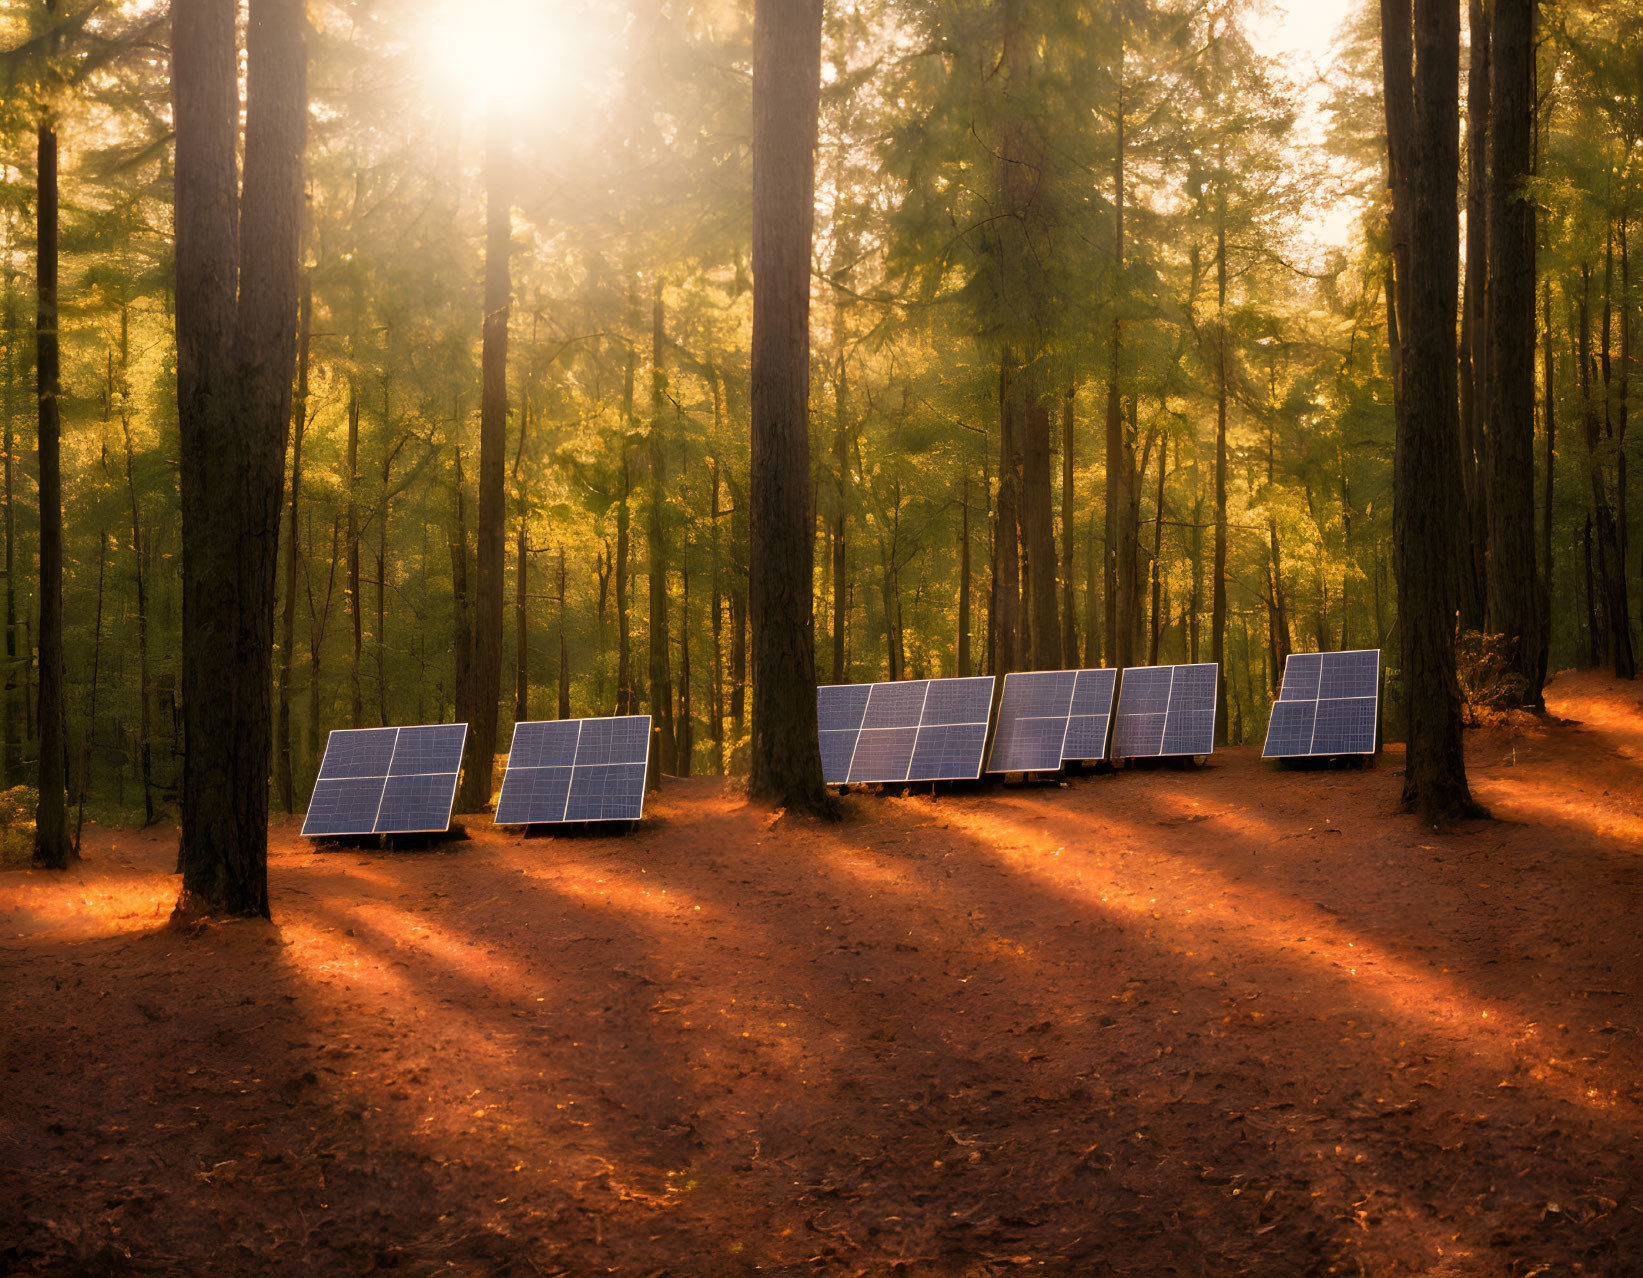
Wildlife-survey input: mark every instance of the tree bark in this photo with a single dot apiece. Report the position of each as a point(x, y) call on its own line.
point(1069, 613)
point(1121, 549)
point(1218, 586)
point(356, 613)
point(11, 712)
point(786, 758)
point(564, 653)
point(52, 849)
point(288, 620)
point(1475, 355)
point(1422, 117)
point(236, 339)
point(144, 752)
point(479, 757)
point(1515, 607)
point(964, 583)
point(660, 676)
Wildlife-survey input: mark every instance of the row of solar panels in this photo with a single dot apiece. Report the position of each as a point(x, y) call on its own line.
point(936, 729)
point(403, 780)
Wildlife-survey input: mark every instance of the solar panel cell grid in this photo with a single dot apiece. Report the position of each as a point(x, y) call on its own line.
point(1328, 704)
point(1166, 711)
point(1047, 717)
point(919, 730)
point(387, 780)
point(576, 770)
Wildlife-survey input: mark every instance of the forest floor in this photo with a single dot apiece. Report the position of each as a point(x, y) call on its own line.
point(1233, 1020)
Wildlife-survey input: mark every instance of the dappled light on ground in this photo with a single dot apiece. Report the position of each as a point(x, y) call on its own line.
point(1230, 1020)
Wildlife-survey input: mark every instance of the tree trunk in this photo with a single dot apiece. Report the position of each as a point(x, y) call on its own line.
point(1475, 355)
point(355, 604)
point(1158, 553)
point(1422, 118)
point(564, 653)
point(738, 611)
point(684, 736)
point(964, 583)
point(51, 842)
point(479, 758)
point(786, 759)
point(235, 360)
point(521, 631)
point(626, 702)
point(1617, 638)
point(89, 745)
point(1218, 583)
point(12, 731)
point(1121, 598)
point(144, 753)
point(1069, 614)
point(462, 612)
point(1515, 607)
point(660, 676)
point(1006, 564)
point(1549, 359)
point(288, 620)
point(718, 687)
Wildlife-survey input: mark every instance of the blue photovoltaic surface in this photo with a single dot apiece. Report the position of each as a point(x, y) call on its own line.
point(1046, 717)
point(1328, 705)
point(387, 780)
point(919, 730)
point(1165, 710)
point(576, 770)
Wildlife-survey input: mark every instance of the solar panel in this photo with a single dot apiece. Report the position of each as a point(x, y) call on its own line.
point(1165, 710)
point(917, 730)
point(1046, 717)
point(387, 780)
point(576, 770)
point(1328, 704)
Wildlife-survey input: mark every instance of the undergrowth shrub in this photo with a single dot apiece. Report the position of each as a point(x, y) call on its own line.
point(1488, 686)
point(17, 824)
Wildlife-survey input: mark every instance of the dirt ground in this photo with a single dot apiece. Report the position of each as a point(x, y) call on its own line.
point(1226, 1021)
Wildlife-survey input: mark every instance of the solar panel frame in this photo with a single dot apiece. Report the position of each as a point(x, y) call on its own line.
point(1331, 700)
point(609, 762)
point(1060, 695)
point(367, 763)
point(912, 730)
point(1165, 712)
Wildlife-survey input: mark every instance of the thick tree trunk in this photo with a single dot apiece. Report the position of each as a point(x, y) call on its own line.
point(479, 757)
point(1422, 116)
point(1549, 361)
point(51, 841)
point(235, 359)
point(288, 619)
point(11, 711)
point(1515, 607)
point(1615, 635)
point(1121, 549)
point(1475, 412)
point(660, 675)
point(786, 760)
